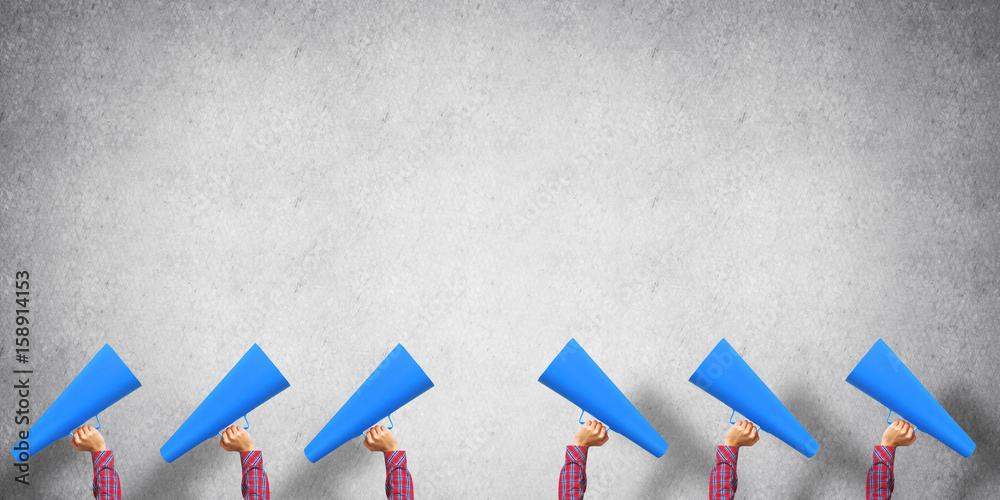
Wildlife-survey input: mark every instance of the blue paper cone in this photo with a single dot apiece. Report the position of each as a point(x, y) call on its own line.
point(248, 385)
point(576, 377)
point(100, 384)
point(729, 379)
point(884, 377)
point(396, 381)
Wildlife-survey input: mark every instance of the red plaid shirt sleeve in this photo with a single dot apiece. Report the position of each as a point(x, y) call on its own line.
point(722, 485)
point(255, 485)
point(106, 485)
point(880, 479)
point(573, 478)
point(398, 483)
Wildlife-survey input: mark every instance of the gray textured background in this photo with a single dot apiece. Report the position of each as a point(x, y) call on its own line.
point(482, 182)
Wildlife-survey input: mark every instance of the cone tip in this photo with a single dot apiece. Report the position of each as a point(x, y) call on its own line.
point(811, 447)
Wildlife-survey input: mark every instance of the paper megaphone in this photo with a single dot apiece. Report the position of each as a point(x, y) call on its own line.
point(249, 384)
point(729, 379)
point(396, 381)
point(105, 380)
point(576, 377)
point(884, 377)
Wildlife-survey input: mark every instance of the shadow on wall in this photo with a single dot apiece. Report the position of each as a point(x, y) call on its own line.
point(684, 458)
point(978, 477)
point(840, 465)
point(186, 477)
point(54, 461)
point(334, 476)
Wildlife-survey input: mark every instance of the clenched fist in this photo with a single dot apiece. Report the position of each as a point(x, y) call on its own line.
point(592, 433)
point(379, 438)
point(742, 433)
point(236, 438)
point(900, 433)
point(86, 438)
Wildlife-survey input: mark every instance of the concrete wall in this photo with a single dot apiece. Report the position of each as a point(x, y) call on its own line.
point(483, 182)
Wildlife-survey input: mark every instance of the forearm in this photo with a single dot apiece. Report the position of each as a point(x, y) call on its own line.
point(398, 482)
point(106, 484)
point(880, 476)
point(722, 484)
point(573, 477)
point(255, 485)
